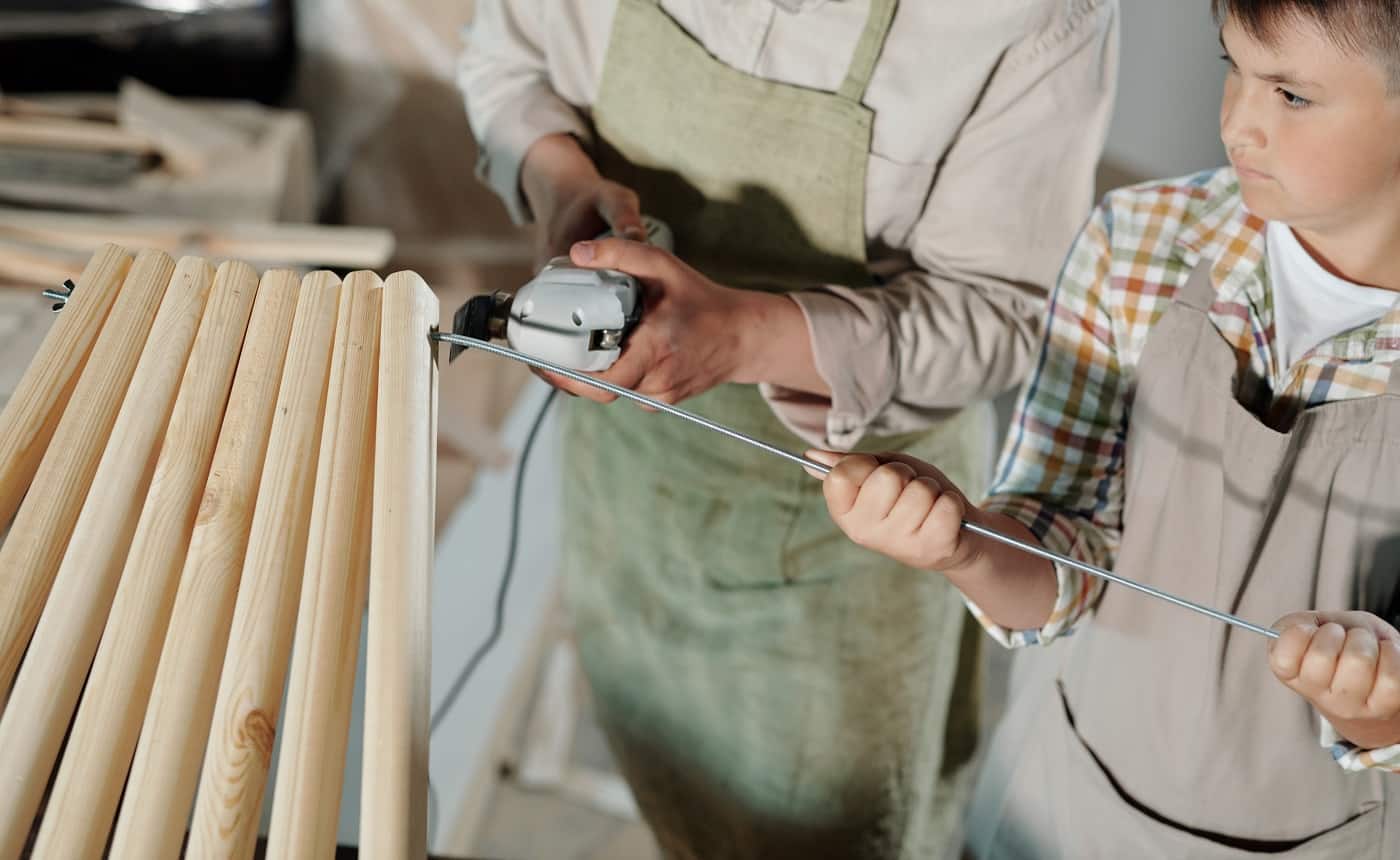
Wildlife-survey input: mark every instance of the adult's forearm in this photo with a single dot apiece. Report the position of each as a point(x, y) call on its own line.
point(776, 344)
point(552, 164)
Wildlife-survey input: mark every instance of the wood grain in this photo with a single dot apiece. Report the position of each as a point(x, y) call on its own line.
point(238, 755)
point(38, 537)
point(50, 680)
point(165, 771)
point(32, 412)
point(316, 725)
point(394, 811)
point(83, 801)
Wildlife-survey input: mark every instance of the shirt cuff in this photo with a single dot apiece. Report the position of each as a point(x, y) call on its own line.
point(513, 131)
point(853, 353)
point(1355, 759)
point(1075, 592)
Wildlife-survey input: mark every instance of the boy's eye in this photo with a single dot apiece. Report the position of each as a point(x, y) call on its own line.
point(1230, 62)
point(1293, 101)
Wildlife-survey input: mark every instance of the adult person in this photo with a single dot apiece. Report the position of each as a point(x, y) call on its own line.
point(869, 204)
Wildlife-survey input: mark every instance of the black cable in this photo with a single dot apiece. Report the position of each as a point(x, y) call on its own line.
point(499, 621)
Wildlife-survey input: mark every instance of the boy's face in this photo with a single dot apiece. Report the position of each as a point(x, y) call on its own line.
point(1311, 129)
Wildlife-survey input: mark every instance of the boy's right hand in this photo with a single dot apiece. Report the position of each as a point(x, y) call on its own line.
point(898, 506)
point(571, 201)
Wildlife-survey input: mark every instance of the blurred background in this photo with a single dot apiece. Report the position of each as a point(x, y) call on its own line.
point(330, 133)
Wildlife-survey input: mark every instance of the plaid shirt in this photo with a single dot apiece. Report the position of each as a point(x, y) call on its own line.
point(1062, 471)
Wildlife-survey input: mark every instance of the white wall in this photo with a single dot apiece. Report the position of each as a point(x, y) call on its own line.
point(1166, 120)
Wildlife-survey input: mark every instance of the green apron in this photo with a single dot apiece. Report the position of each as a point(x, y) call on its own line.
point(769, 689)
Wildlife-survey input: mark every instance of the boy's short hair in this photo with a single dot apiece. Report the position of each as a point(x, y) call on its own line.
point(1357, 26)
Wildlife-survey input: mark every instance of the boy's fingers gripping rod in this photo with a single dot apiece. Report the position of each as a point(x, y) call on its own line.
point(824, 470)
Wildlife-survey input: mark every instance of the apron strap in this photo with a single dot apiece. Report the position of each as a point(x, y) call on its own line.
point(872, 42)
point(1199, 292)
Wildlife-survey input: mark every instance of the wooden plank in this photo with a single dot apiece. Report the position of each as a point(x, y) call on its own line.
point(41, 164)
point(22, 263)
point(83, 801)
point(62, 108)
point(165, 771)
point(316, 726)
point(394, 809)
point(59, 656)
point(33, 410)
point(38, 538)
point(190, 140)
point(239, 752)
point(252, 242)
point(71, 134)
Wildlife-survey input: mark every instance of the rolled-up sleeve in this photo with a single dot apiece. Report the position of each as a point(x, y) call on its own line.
point(1014, 187)
point(1355, 759)
point(510, 100)
point(1061, 473)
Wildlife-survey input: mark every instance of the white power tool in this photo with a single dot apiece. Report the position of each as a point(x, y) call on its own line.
point(567, 315)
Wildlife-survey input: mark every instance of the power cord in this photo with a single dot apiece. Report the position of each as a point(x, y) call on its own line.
point(498, 621)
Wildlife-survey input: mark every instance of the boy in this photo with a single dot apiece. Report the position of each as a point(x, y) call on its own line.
point(1213, 413)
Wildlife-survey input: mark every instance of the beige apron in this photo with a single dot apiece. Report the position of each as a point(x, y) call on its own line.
point(769, 689)
point(1154, 732)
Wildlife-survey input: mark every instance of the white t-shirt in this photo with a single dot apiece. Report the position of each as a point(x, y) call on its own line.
point(1312, 305)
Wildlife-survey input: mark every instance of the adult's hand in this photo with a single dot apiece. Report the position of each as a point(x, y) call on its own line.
point(571, 201)
point(696, 334)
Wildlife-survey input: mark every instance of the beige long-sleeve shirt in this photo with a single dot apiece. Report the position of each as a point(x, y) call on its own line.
point(989, 119)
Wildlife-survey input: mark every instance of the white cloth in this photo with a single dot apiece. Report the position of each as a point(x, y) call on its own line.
point(1312, 305)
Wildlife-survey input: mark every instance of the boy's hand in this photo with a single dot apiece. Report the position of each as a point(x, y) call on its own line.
point(1348, 665)
point(898, 506)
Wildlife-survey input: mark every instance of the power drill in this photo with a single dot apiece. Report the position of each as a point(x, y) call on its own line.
point(573, 317)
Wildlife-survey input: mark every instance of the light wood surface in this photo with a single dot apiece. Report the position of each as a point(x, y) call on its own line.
point(252, 242)
point(38, 537)
point(316, 725)
point(239, 752)
point(234, 472)
point(79, 134)
point(165, 771)
point(46, 690)
point(189, 140)
point(394, 809)
point(83, 801)
point(33, 410)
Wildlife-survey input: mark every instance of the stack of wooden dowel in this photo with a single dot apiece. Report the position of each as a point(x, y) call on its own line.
point(145, 153)
point(206, 475)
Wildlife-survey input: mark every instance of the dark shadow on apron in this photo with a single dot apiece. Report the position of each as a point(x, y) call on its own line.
point(734, 226)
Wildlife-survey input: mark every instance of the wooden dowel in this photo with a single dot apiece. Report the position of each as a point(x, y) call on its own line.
point(49, 682)
point(33, 549)
point(32, 412)
point(239, 752)
point(161, 787)
point(316, 725)
point(393, 806)
point(84, 798)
